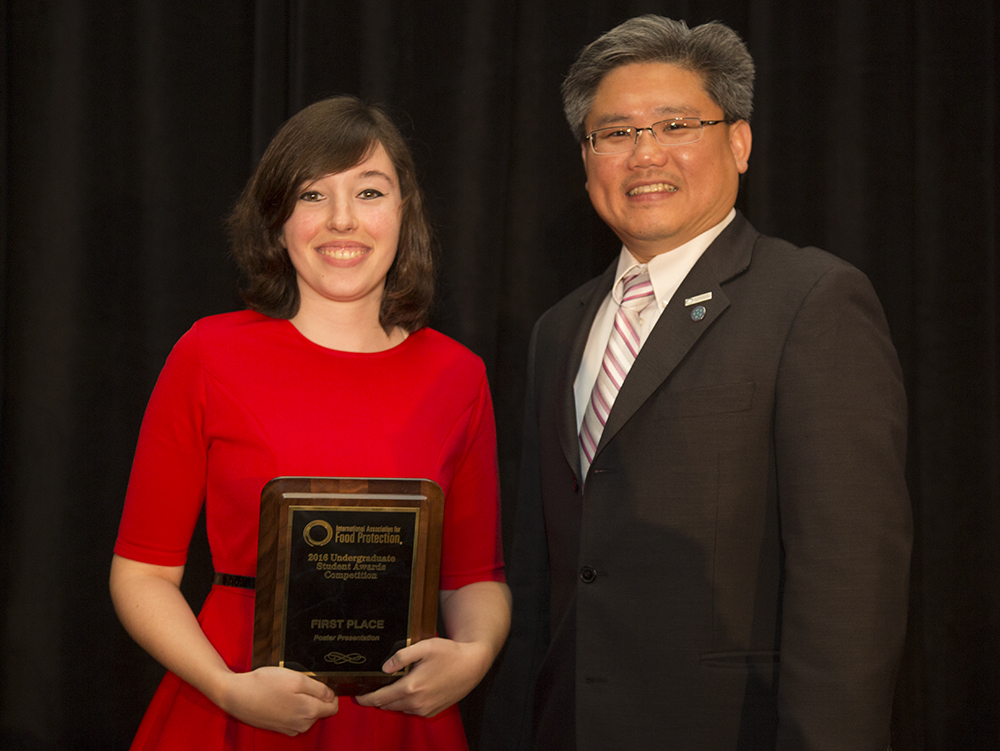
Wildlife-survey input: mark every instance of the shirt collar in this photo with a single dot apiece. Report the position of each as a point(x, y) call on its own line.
point(667, 270)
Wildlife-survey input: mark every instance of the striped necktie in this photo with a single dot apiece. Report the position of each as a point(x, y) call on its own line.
point(623, 346)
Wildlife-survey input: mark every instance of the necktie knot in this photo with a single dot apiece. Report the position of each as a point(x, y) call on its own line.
point(637, 290)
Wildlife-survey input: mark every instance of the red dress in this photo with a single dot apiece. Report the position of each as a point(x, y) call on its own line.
point(244, 398)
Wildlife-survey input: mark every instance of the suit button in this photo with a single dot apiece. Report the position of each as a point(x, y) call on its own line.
point(587, 575)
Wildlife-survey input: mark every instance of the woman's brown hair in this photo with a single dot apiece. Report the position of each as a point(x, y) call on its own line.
point(327, 137)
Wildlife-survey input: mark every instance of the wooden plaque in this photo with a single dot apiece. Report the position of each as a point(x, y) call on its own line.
point(347, 574)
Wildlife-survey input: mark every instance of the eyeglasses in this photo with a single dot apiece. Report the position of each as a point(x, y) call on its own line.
point(673, 132)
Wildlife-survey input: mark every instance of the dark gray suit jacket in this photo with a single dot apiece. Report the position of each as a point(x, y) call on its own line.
point(734, 572)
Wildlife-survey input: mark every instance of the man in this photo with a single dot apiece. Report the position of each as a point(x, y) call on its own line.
point(711, 542)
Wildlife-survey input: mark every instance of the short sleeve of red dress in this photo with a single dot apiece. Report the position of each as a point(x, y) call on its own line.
point(167, 484)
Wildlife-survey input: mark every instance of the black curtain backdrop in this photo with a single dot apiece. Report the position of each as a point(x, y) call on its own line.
point(129, 126)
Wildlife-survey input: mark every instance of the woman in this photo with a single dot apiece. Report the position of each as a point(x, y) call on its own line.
point(330, 373)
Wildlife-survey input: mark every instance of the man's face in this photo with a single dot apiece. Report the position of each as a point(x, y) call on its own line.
point(657, 197)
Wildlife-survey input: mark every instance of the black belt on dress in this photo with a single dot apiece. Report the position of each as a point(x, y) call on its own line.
point(232, 580)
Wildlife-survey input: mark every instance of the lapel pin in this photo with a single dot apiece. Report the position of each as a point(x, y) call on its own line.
point(697, 299)
point(698, 313)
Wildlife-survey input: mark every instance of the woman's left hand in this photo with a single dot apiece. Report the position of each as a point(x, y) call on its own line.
point(477, 617)
point(443, 672)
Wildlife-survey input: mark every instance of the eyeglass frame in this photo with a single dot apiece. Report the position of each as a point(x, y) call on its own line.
point(635, 142)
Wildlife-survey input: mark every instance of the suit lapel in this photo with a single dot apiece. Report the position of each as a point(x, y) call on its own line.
point(677, 331)
point(578, 327)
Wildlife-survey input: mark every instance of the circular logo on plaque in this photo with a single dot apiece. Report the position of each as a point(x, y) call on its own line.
point(310, 536)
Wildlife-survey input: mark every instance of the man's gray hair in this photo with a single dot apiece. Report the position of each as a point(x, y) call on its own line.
point(713, 50)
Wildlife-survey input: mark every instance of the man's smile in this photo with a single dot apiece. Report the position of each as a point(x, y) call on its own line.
point(652, 188)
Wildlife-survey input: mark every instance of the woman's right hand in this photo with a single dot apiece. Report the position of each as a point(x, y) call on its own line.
point(277, 699)
point(149, 603)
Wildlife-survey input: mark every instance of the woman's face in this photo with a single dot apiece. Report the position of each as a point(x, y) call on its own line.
point(343, 232)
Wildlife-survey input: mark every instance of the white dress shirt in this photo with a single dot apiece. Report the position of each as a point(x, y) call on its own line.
point(666, 272)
